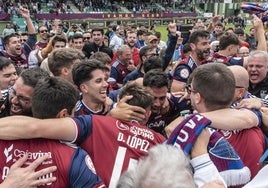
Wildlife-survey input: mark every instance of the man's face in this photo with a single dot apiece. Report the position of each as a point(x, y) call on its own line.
point(252, 32)
point(8, 76)
point(131, 39)
point(218, 29)
point(20, 98)
point(97, 38)
point(241, 37)
point(78, 43)
point(14, 46)
point(87, 37)
point(243, 52)
point(23, 39)
point(201, 48)
point(153, 43)
point(96, 87)
point(125, 57)
point(257, 69)
point(43, 32)
point(160, 97)
point(59, 45)
point(57, 27)
point(121, 31)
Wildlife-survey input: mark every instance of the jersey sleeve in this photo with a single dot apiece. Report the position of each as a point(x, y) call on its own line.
point(181, 73)
point(114, 73)
point(84, 128)
point(82, 171)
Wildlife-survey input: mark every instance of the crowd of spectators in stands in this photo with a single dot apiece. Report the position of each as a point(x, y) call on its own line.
point(60, 6)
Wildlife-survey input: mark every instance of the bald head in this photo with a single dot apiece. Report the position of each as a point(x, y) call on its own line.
point(241, 76)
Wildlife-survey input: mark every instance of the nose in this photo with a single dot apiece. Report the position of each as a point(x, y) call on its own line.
point(105, 84)
point(14, 77)
point(14, 100)
point(156, 103)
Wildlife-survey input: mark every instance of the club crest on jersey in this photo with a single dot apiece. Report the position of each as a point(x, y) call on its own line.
point(121, 126)
point(89, 164)
point(184, 73)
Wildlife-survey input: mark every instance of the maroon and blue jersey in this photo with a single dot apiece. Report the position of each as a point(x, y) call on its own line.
point(119, 72)
point(219, 58)
point(83, 109)
point(158, 122)
point(74, 166)
point(114, 145)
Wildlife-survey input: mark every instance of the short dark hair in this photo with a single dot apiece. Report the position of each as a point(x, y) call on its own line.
point(58, 39)
point(98, 29)
point(194, 37)
point(6, 39)
point(141, 96)
point(156, 78)
point(77, 36)
point(31, 77)
point(52, 95)
point(144, 50)
point(228, 39)
point(82, 71)
point(151, 63)
point(215, 83)
point(5, 62)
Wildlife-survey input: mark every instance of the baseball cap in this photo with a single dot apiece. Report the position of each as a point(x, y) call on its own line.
point(151, 38)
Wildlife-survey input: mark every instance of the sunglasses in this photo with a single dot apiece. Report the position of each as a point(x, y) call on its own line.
point(86, 38)
point(43, 31)
point(23, 40)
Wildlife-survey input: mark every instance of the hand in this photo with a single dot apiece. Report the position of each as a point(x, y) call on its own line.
point(124, 111)
point(131, 65)
point(215, 19)
point(27, 177)
point(24, 12)
point(250, 103)
point(201, 144)
point(183, 95)
point(257, 23)
point(172, 28)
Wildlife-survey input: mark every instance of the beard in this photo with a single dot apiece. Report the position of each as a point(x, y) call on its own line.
point(202, 54)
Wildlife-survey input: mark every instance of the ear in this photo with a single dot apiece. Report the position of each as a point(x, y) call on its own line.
point(197, 98)
point(83, 88)
point(63, 113)
point(143, 58)
point(192, 46)
point(241, 93)
point(65, 71)
point(148, 113)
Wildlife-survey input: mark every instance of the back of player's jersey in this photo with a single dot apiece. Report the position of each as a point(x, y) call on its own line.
point(59, 155)
point(115, 146)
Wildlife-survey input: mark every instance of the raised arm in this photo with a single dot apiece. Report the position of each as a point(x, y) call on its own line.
point(30, 26)
point(19, 127)
point(226, 119)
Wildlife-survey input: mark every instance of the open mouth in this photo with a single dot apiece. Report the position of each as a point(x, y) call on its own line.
point(15, 109)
